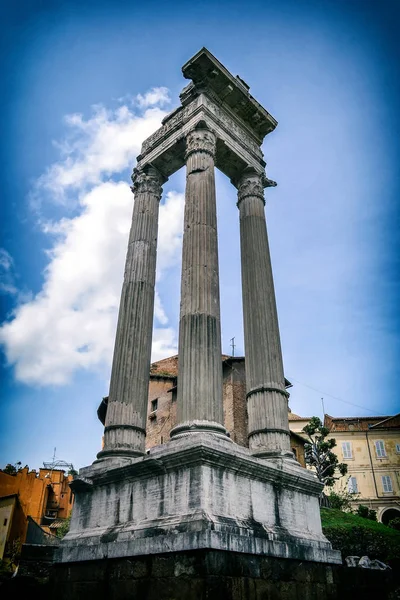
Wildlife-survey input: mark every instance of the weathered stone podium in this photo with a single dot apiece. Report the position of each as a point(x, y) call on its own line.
point(211, 513)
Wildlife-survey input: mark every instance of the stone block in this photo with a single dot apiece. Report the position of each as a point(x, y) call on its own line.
point(193, 493)
point(201, 575)
point(129, 569)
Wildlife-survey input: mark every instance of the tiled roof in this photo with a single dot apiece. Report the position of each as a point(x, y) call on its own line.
point(351, 423)
point(294, 417)
point(357, 418)
point(56, 523)
point(168, 367)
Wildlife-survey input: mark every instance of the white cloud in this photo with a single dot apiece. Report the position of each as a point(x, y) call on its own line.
point(6, 260)
point(7, 279)
point(70, 324)
point(101, 146)
point(157, 95)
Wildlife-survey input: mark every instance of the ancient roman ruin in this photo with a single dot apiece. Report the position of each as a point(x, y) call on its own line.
point(200, 490)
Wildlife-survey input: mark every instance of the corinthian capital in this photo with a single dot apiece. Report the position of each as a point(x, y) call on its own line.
point(251, 184)
point(200, 140)
point(149, 181)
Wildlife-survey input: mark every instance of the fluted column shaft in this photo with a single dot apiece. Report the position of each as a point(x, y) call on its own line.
point(199, 397)
point(125, 427)
point(266, 395)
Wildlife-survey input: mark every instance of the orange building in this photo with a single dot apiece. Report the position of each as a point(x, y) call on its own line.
point(44, 496)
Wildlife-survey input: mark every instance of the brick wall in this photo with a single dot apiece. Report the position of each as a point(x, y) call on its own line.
point(163, 378)
point(161, 421)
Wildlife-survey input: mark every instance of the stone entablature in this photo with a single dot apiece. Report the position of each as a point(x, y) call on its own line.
point(221, 103)
point(207, 73)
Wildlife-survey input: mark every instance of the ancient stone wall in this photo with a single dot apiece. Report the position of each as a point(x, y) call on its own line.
point(216, 575)
point(234, 400)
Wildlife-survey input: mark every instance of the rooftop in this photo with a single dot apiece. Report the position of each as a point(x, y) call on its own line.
point(361, 423)
point(168, 367)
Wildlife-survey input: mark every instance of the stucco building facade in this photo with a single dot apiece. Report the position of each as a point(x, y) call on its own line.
point(370, 446)
point(371, 449)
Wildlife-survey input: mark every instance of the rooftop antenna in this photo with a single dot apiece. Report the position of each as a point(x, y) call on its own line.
point(323, 408)
point(58, 464)
point(232, 340)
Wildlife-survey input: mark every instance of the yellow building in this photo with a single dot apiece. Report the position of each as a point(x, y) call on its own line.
point(370, 446)
point(371, 449)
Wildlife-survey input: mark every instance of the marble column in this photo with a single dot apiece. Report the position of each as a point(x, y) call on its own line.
point(125, 427)
point(267, 404)
point(199, 394)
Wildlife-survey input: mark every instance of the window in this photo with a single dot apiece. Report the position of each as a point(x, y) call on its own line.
point(397, 448)
point(352, 485)
point(387, 484)
point(380, 449)
point(51, 514)
point(346, 450)
point(154, 404)
point(5, 522)
point(294, 452)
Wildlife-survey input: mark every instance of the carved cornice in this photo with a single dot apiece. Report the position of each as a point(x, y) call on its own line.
point(149, 181)
point(232, 125)
point(200, 140)
point(251, 184)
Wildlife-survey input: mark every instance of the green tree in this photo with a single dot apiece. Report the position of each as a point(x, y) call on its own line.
point(64, 528)
point(319, 455)
point(12, 469)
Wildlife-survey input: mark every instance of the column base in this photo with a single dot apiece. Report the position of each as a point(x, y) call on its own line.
point(273, 454)
point(117, 454)
point(194, 427)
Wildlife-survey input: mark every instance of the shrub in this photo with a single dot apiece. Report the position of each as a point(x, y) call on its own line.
point(64, 528)
point(357, 536)
point(372, 515)
point(340, 500)
point(366, 513)
point(395, 524)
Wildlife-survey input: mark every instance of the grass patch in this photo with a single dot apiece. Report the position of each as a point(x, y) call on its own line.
point(356, 536)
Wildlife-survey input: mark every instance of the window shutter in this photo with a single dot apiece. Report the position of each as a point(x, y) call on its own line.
point(346, 450)
point(380, 449)
point(387, 483)
point(352, 485)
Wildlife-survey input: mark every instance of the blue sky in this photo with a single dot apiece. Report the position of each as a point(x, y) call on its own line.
point(83, 84)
